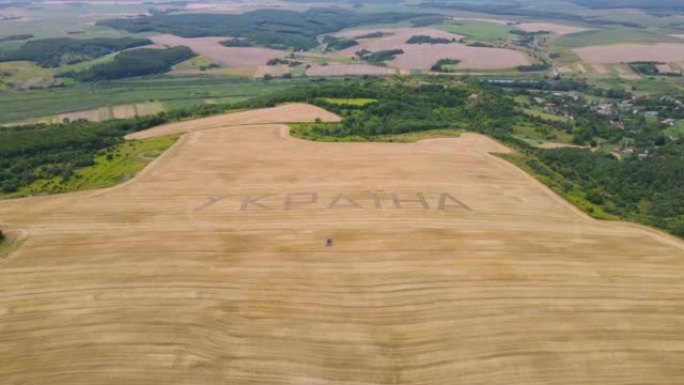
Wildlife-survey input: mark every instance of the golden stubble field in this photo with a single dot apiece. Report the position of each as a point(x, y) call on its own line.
point(447, 266)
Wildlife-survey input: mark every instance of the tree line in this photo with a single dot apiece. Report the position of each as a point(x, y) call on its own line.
point(137, 62)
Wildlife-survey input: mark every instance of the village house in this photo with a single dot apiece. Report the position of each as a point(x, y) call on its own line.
point(619, 125)
point(669, 122)
point(604, 109)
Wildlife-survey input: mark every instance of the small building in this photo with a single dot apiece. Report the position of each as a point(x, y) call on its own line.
point(604, 109)
point(652, 114)
point(668, 122)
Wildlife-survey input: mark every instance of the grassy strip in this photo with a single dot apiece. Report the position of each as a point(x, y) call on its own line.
point(306, 131)
point(9, 244)
point(358, 102)
point(115, 166)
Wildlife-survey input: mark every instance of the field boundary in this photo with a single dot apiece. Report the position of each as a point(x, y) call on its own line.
point(12, 243)
point(655, 232)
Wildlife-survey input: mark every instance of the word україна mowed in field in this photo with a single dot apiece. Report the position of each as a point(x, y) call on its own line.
point(341, 201)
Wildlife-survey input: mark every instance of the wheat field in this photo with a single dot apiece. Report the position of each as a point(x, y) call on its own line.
point(245, 256)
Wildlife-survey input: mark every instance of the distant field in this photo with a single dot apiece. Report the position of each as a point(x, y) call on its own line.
point(23, 74)
point(559, 29)
point(124, 111)
point(349, 70)
point(69, 20)
point(478, 30)
point(612, 36)
point(172, 92)
point(625, 53)
point(238, 57)
point(424, 56)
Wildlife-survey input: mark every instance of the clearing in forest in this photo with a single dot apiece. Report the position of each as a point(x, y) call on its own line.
point(243, 255)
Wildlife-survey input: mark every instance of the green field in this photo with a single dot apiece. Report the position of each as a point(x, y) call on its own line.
point(350, 102)
point(20, 72)
point(541, 135)
point(540, 113)
point(478, 30)
point(173, 92)
point(613, 36)
point(195, 63)
point(67, 20)
point(117, 165)
point(664, 85)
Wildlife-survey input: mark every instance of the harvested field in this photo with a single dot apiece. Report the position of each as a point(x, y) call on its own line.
point(626, 73)
point(211, 47)
point(151, 108)
point(349, 70)
point(95, 115)
point(123, 112)
point(287, 113)
point(99, 114)
point(565, 69)
point(625, 53)
point(600, 68)
point(424, 56)
point(666, 69)
point(117, 112)
point(203, 270)
point(558, 29)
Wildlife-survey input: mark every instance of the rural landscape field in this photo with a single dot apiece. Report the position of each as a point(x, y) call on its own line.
point(323, 192)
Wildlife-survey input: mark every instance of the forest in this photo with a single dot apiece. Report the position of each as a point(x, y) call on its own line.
point(425, 39)
point(379, 57)
point(337, 44)
point(278, 29)
point(55, 52)
point(137, 62)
